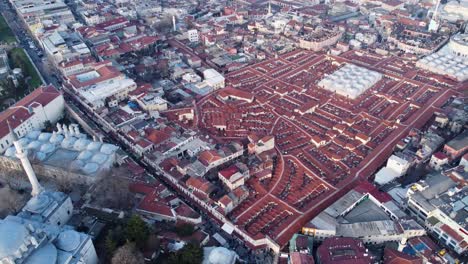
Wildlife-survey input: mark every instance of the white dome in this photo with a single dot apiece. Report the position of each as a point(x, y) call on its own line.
point(38, 203)
point(44, 136)
point(94, 146)
point(68, 240)
point(10, 152)
point(47, 148)
point(33, 135)
point(99, 158)
point(13, 236)
point(39, 156)
point(24, 141)
point(44, 255)
point(90, 168)
point(34, 145)
point(85, 155)
point(69, 142)
point(108, 149)
point(81, 144)
point(77, 164)
point(220, 255)
point(56, 138)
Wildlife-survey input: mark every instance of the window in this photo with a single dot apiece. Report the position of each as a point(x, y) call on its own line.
point(68, 212)
point(58, 223)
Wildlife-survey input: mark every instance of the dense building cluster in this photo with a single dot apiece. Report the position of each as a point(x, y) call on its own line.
point(269, 125)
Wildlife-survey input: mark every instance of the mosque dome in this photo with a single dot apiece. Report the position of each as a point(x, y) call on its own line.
point(47, 148)
point(56, 138)
point(10, 152)
point(81, 144)
point(69, 142)
point(44, 255)
point(24, 141)
point(34, 145)
point(99, 158)
point(13, 236)
point(94, 146)
point(90, 168)
point(108, 148)
point(38, 203)
point(40, 156)
point(220, 255)
point(68, 240)
point(44, 136)
point(85, 155)
point(33, 135)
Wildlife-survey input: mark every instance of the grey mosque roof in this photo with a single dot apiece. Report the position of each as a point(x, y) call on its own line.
point(68, 151)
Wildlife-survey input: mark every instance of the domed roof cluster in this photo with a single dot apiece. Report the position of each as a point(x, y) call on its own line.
point(452, 60)
point(455, 10)
point(14, 235)
point(350, 80)
point(67, 149)
point(30, 242)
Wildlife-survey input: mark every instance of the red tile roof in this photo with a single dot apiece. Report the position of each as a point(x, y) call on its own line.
point(208, 156)
point(228, 172)
point(392, 256)
point(19, 112)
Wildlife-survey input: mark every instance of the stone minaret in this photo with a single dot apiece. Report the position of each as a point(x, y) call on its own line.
point(23, 157)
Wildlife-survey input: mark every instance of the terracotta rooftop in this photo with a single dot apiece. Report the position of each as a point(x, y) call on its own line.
point(19, 112)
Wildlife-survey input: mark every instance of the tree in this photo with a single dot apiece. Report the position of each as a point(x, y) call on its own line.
point(127, 254)
point(185, 230)
point(10, 201)
point(110, 243)
point(190, 254)
point(111, 190)
point(136, 231)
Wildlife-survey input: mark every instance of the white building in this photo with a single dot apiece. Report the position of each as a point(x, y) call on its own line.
point(96, 95)
point(214, 78)
point(192, 35)
point(151, 102)
point(438, 160)
point(31, 113)
point(396, 167)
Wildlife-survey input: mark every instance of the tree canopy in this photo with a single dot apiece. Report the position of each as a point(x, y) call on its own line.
point(128, 254)
point(137, 231)
point(189, 254)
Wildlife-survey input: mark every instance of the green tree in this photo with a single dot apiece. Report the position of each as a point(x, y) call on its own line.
point(111, 244)
point(136, 231)
point(190, 254)
point(185, 230)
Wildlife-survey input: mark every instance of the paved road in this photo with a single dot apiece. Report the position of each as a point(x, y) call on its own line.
point(19, 29)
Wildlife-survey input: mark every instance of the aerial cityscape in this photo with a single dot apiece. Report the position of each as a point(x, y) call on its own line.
point(233, 131)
